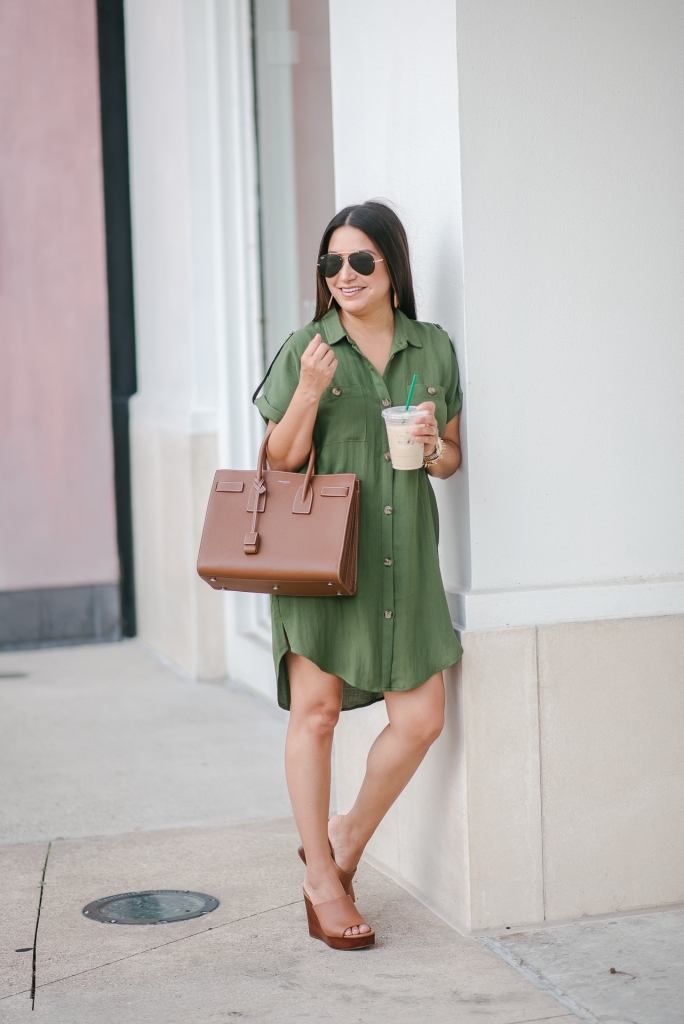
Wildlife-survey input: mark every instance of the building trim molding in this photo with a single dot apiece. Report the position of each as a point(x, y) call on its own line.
point(619, 599)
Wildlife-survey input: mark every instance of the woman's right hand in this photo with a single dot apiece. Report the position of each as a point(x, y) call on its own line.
point(289, 442)
point(318, 365)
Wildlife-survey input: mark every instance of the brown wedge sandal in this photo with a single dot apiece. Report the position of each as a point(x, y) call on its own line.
point(329, 921)
point(345, 877)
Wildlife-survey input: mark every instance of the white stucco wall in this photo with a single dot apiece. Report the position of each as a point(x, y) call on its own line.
point(562, 290)
point(574, 256)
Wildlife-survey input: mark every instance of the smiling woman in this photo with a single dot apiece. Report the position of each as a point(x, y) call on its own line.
point(392, 639)
point(356, 225)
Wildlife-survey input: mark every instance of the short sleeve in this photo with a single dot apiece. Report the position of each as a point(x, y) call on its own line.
point(453, 395)
point(281, 383)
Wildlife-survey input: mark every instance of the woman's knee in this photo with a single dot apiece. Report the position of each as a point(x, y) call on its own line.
point(317, 717)
point(423, 728)
point(429, 726)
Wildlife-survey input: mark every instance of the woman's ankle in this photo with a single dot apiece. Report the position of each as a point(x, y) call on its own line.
point(350, 844)
point(323, 886)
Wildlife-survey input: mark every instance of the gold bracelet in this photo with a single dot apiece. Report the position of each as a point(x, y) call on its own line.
point(431, 460)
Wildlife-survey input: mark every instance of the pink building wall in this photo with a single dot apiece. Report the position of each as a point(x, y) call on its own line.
point(57, 514)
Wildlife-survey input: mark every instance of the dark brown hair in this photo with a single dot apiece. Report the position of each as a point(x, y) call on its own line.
point(385, 231)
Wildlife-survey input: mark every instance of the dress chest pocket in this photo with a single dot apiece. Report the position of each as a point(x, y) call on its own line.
point(431, 393)
point(341, 415)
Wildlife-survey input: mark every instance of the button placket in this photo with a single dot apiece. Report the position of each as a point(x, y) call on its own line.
point(387, 534)
point(387, 552)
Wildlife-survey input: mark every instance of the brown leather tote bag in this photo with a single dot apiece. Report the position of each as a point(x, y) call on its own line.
point(281, 533)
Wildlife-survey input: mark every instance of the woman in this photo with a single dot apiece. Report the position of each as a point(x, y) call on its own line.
point(391, 641)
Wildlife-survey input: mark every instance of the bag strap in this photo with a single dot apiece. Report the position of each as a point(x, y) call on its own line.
point(254, 396)
point(302, 501)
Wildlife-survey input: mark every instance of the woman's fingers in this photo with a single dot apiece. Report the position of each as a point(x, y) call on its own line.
point(313, 345)
point(427, 428)
point(318, 364)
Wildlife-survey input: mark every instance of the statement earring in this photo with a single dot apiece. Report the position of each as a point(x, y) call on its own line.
point(331, 300)
point(395, 300)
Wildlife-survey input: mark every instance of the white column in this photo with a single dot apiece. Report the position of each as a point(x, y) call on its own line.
point(198, 313)
point(531, 150)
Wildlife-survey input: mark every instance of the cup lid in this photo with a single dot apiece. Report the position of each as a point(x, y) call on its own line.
point(398, 412)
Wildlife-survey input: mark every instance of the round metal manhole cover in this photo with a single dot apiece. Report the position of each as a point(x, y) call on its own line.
point(155, 906)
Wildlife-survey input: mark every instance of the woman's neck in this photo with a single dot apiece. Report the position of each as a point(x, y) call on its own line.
point(372, 333)
point(373, 325)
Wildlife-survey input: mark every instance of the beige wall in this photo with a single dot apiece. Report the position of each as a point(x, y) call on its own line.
point(57, 518)
point(178, 614)
point(556, 790)
point(611, 705)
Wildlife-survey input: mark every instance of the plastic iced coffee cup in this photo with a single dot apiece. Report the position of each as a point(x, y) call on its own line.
point(406, 452)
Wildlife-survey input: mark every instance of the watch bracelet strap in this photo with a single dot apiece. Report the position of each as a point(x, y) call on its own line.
point(430, 460)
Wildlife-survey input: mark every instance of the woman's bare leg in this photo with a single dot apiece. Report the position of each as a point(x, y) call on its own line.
point(316, 699)
point(416, 718)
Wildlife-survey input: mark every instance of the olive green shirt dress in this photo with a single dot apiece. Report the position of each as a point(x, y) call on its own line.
point(396, 631)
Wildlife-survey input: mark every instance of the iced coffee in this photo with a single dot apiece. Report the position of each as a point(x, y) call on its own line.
point(405, 450)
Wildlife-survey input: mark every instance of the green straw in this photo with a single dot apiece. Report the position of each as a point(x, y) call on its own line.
point(410, 394)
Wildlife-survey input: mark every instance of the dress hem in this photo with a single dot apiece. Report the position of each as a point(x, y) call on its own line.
point(374, 695)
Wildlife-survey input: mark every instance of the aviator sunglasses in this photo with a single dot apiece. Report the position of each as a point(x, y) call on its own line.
point(363, 262)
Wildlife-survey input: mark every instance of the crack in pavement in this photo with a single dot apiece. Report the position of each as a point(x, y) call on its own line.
point(540, 1020)
point(150, 949)
point(35, 934)
point(537, 979)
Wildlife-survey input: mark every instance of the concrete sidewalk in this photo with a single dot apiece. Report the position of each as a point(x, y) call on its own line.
point(251, 959)
point(144, 779)
point(106, 747)
point(107, 739)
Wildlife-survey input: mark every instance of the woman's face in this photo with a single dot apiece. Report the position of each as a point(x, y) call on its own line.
point(355, 293)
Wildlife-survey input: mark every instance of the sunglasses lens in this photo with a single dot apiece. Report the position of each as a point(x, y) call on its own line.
point(330, 264)
point(362, 262)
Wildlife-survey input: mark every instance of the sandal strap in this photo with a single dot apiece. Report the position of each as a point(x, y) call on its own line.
point(335, 916)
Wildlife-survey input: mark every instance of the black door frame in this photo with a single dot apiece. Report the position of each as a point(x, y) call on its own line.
point(117, 207)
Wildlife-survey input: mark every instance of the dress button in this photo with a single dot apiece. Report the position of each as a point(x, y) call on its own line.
point(387, 457)
point(385, 402)
point(388, 561)
point(432, 391)
point(388, 613)
point(337, 391)
point(388, 510)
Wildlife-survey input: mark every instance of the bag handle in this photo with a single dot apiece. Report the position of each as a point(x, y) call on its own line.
point(303, 499)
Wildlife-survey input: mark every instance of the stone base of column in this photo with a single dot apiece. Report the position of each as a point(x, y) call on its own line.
point(178, 614)
point(555, 790)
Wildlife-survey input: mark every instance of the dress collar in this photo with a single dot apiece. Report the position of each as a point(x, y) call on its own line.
point(405, 332)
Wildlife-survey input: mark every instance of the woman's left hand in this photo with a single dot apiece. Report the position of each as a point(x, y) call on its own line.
point(426, 428)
